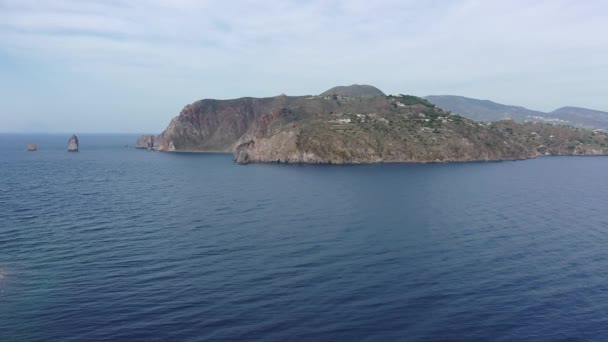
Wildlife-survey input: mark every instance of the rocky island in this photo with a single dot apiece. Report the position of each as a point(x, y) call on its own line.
point(73, 144)
point(145, 141)
point(360, 124)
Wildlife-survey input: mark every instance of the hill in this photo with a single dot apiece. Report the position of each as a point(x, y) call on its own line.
point(362, 129)
point(482, 110)
point(485, 110)
point(581, 116)
point(355, 90)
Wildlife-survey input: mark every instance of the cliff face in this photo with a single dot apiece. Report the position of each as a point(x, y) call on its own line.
point(215, 125)
point(347, 129)
point(220, 125)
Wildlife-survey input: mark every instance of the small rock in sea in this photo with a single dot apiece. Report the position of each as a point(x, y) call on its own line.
point(73, 144)
point(31, 147)
point(145, 141)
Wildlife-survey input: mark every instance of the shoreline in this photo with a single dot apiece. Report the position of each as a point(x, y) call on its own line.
point(390, 161)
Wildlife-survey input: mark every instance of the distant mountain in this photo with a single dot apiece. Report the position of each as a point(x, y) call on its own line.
point(582, 116)
point(482, 110)
point(355, 90)
point(485, 110)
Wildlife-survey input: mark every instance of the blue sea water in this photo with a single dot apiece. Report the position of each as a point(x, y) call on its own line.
point(117, 244)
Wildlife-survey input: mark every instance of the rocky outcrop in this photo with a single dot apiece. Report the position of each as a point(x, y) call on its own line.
point(31, 147)
point(221, 125)
point(145, 141)
point(280, 148)
point(242, 152)
point(362, 129)
point(73, 144)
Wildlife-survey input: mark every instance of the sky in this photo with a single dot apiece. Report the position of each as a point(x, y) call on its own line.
point(130, 66)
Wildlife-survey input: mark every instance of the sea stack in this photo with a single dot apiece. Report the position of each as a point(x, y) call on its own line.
point(31, 147)
point(73, 144)
point(145, 141)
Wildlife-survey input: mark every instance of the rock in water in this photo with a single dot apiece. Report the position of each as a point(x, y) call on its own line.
point(145, 141)
point(73, 144)
point(31, 147)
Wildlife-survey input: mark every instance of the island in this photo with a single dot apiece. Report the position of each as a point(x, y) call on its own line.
point(360, 124)
point(73, 145)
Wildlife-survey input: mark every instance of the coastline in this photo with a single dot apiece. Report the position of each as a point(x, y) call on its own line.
point(372, 162)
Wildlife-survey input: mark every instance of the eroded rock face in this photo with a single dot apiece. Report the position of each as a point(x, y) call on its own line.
point(221, 125)
point(73, 144)
point(145, 141)
point(241, 152)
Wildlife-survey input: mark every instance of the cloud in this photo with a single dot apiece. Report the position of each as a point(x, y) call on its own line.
point(148, 51)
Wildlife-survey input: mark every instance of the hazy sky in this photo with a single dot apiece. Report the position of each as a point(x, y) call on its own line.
point(130, 66)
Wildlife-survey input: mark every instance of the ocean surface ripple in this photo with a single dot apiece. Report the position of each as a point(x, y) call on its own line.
point(113, 243)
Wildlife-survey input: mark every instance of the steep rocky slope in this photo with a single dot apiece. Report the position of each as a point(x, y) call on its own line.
point(216, 125)
point(332, 128)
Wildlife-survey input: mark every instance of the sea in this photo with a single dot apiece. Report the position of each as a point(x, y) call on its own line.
point(118, 244)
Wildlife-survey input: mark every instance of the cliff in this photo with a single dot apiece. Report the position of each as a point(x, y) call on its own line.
point(362, 129)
